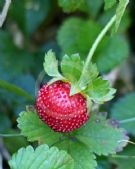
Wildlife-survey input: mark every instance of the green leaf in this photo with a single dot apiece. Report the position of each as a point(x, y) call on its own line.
point(119, 12)
point(35, 130)
point(51, 65)
point(125, 159)
point(100, 91)
point(15, 89)
point(71, 67)
point(88, 76)
point(102, 136)
point(109, 4)
point(83, 157)
point(5, 122)
point(124, 111)
point(112, 52)
point(75, 38)
point(42, 158)
point(70, 5)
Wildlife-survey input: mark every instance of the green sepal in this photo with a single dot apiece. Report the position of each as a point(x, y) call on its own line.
point(51, 65)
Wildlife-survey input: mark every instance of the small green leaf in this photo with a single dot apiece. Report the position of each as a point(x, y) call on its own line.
point(71, 67)
point(102, 136)
point(120, 11)
point(88, 76)
point(109, 4)
point(42, 158)
point(15, 89)
point(51, 65)
point(124, 111)
point(70, 5)
point(99, 91)
point(35, 130)
point(125, 159)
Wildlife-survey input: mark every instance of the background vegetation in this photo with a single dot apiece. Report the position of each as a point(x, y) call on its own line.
point(32, 28)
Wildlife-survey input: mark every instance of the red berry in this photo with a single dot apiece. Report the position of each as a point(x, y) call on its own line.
point(62, 112)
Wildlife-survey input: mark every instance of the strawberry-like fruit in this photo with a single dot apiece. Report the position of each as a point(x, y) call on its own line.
point(62, 112)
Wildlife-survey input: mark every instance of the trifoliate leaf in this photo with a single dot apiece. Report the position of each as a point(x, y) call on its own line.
point(120, 11)
point(71, 67)
point(70, 5)
point(100, 91)
point(124, 111)
point(125, 159)
point(41, 158)
point(83, 157)
point(51, 65)
point(102, 136)
point(88, 76)
point(109, 4)
point(35, 130)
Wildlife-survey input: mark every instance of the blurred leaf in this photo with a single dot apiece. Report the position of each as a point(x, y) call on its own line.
point(31, 13)
point(111, 53)
point(120, 11)
point(75, 38)
point(18, 142)
point(4, 122)
point(42, 157)
point(93, 7)
point(125, 159)
point(70, 5)
point(124, 111)
point(95, 136)
point(36, 130)
point(15, 89)
point(124, 24)
point(109, 4)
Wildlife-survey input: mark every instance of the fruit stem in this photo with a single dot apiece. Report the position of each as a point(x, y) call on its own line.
point(97, 41)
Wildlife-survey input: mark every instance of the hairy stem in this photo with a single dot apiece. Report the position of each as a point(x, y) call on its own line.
point(10, 135)
point(97, 41)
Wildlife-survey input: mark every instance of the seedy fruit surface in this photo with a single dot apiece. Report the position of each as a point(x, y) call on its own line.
point(62, 112)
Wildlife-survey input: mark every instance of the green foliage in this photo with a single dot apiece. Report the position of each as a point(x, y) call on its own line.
point(51, 65)
point(111, 53)
point(109, 3)
point(74, 38)
point(71, 67)
point(100, 136)
point(70, 5)
point(18, 142)
point(4, 122)
point(35, 130)
point(125, 159)
point(94, 134)
point(100, 91)
point(42, 157)
point(15, 89)
point(123, 110)
point(120, 11)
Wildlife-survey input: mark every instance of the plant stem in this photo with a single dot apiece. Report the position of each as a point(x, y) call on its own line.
point(97, 41)
point(10, 135)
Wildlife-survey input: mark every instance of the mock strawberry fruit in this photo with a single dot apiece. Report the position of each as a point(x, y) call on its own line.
point(62, 112)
